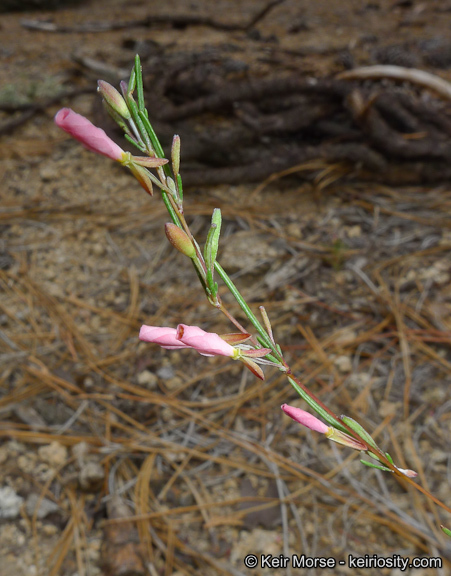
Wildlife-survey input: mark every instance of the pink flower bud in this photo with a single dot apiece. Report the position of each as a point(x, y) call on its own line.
point(90, 136)
point(165, 337)
point(305, 419)
point(206, 343)
point(408, 473)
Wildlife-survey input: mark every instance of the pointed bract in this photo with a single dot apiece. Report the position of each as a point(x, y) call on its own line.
point(253, 367)
point(256, 352)
point(344, 439)
point(235, 338)
point(149, 162)
point(142, 175)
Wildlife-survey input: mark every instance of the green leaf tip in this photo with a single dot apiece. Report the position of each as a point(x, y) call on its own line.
point(360, 431)
point(212, 247)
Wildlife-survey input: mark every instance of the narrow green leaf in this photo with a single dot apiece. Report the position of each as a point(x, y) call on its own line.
point(447, 531)
point(269, 356)
point(153, 137)
point(389, 458)
point(132, 82)
point(141, 119)
point(243, 304)
point(173, 215)
point(371, 455)
point(139, 84)
point(360, 430)
point(208, 252)
point(371, 465)
point(209, 281)
point(212, 243)
point(135, 143)
point(132, 106)
point(116, 117)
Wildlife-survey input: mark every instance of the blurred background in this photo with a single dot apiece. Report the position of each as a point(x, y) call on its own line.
point(119, 458)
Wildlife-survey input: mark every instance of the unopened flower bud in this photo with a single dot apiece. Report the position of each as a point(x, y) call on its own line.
point(92, 137)
point(162, 335)
point(305, 418)
point(175, 154)
point(113, 98)
point(407, 472)
point(180, 240)
point(310, 421)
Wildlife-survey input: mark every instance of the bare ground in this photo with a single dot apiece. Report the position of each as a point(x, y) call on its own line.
point(356, 280)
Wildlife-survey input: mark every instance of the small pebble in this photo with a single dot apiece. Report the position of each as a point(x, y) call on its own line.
point(148, 379)
point(343, 363)
point(10, 503)
point(91, 476)
point(54, 454)
point(46, 506)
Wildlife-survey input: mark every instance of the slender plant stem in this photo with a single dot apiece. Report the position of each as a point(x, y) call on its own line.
point(175, 210)
point(234, 290)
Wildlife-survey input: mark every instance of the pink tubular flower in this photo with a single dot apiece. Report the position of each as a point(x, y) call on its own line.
point(90, 136)
point(331, 433)
point(305, 419)
point(206, 343)
point(165, 337)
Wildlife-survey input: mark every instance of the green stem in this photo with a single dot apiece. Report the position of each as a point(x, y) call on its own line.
point(251, 316)
point(170, 209)
point(140, 117)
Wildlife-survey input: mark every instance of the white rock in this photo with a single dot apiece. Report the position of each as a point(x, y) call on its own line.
point(354, 231)
point(343, 363)
point(46, 506)
point(148, 379)
point(91, 475)
point(27, 462)
point(10, 503)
